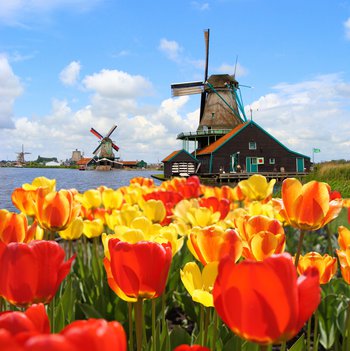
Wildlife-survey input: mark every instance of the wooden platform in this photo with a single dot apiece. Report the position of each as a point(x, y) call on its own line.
point(236, 177)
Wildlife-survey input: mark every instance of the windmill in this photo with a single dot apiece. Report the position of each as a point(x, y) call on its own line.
point(20, 157)
point(104, 151)
point(221, 107)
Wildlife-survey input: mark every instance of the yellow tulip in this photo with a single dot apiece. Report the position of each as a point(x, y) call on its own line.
point(74, 231)
point(200, 284)
point(154, 210)
point(90, 198)
point(112, 199)
point(93, 229)
point(256, 187)
point(41, 182)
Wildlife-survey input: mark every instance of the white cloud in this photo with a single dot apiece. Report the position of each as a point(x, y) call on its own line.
point(10, 89)
point(201, 6)
point(70, 74)
point(171, 49)
point(314, 113)
point(231, 69)
point(117, 84)
point(347, 28)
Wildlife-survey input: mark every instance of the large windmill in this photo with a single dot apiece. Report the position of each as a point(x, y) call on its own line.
point(221, 107)
point(104, 154)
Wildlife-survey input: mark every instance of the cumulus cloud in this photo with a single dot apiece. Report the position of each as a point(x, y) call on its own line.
point(314, 113)
point(347, 29)
point(171, 49)
point(118, 84)
point(70, 74)
point(201, 6)
point(10, 89)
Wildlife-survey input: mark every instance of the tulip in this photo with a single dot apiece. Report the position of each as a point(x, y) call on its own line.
point(112, 199)
point(344, 261)
point(343, 237)
point(211, 244)
point(188, 187)
point(265, 302)
point(14, 227)
point(90, 198)
point(154, 210)
point(24, 200)
point(24, 324)
point(93, 229)
point(200, 284)
point(184, 347)
point(41, 182)
point(55, 211)
point(74, 231)
point(50, 342)
point(308, 206)
point(31, 273)
point(262, 236)
point(326, 265)
point(256, 187)
point(147, 182)
point(96, 335)
point(222, 206)
point(140, 270)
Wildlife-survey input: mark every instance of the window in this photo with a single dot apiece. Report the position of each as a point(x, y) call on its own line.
point(272, 161)
point(252, 145)
point(254, 161)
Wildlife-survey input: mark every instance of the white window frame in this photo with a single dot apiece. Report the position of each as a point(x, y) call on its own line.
point(252, 145)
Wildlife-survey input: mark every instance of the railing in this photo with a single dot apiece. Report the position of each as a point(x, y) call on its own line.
point(200, 133)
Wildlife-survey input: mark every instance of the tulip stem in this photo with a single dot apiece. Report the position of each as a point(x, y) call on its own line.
point(308, 335)
point(347, 331)
point(206, 325)
point(300, 244)
point(264, 347)
point(139, 322)
point(315, 330)
point(201, 323)
point(131, 329)
point(329, 240)
point(154, 338)
point(216, 328)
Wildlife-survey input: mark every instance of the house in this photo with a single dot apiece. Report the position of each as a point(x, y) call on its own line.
point(180, 163)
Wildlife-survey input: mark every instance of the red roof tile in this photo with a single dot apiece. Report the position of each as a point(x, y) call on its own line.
point(212, 147)
point(171, 155)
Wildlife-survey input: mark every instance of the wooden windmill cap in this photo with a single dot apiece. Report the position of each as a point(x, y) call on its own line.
point(221, 80)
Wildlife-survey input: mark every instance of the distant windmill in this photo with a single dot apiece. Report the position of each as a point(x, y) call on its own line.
point(104, 151)
point(221, 107)
point(20, 157)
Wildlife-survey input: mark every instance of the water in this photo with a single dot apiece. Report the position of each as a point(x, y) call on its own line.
point(11, 178)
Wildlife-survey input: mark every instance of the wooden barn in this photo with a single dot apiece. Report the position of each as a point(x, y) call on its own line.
point(225, 140)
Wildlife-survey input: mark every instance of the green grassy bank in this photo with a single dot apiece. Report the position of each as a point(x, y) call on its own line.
point(335, 173)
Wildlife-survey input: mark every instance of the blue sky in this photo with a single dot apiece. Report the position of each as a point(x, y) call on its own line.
point(69, 65)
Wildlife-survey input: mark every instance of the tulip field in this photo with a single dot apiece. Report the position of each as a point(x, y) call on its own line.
point(175, 267)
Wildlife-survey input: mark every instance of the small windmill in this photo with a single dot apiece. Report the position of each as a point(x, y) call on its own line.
point(104, 151)
point(221, 108)
point(20, 157)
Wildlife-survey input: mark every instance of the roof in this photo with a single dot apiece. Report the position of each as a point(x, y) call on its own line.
point(129, 162)
point(220, 142)
point(83, 161)
point(216, 144)
point(175, 153)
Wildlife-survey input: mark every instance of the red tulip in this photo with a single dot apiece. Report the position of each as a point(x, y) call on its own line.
point(185, 347)
point(216, 205)
point(96, 335)
point(49, 342)
point(265, 302)
point(140, 269)
point(31, 273)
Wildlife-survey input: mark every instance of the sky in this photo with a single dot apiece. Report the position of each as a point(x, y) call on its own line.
point(69, 65)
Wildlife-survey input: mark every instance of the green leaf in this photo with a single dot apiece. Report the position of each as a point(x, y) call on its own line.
point(89, 311)
point(327, 321)
point(179, 336)
point(299, 345)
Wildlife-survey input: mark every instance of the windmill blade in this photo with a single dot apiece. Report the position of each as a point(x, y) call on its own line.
point(179, 89)
point(115, 147)
point(111, 131)
point(204, 94)
point(96, 150)
point(95, 132)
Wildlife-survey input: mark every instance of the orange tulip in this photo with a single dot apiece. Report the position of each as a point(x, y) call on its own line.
point(188, 187)
point(308, 206)
point(55, 211)
point(265, 302)
point(222, 206)
point(344, 261)
point(211, 244)
point(139, 270)
point(326, 265)
point(261, 235)
point(24, 200)
point(185, 347)
point(31, 273)
point(96, 335)
point(343, 237)
point(14, 227)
